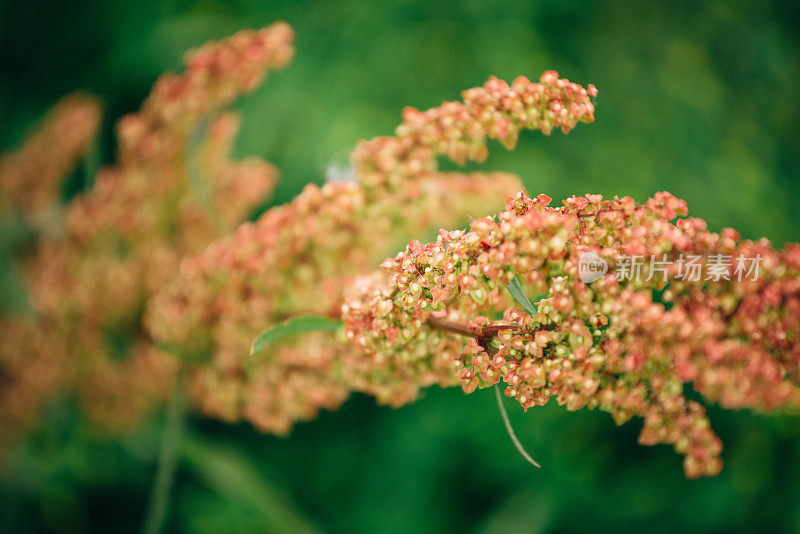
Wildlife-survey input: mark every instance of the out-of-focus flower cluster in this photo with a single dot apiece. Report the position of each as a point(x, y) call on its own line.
point(30, 178)
point(626, 345)
point(30, 181)
point(173, 191)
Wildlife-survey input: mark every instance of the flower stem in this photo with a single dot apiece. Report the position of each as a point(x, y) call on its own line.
point(465, 330)
point(167, 459)
point(510, 429)
point(484, 336)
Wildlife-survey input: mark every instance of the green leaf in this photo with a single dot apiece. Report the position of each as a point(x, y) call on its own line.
point(293, 326)
point(519, 295)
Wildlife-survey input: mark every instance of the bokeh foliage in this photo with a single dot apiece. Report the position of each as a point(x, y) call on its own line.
point(699, 99)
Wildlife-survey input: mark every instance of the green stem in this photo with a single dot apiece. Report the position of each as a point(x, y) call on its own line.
point(167, 459)
point(510, 429)
point(484, 339)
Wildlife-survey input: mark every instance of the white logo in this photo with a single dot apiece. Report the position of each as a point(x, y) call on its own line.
point(591, 267)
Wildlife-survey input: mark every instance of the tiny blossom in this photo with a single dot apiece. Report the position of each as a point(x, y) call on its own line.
point(614, 344)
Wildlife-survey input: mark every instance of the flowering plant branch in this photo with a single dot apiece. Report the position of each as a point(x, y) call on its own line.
point(626, 346)
point(143, 262)
point(303, 258)
point(109, 249)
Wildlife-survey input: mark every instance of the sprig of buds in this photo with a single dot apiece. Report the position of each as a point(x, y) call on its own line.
point(507, 302)
point(302, 258)
point(626, 346)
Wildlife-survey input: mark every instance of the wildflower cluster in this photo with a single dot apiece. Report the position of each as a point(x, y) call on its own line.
point(30, 177)
point(627, 346)
point(147, 266)
point(294, 260)
point(301, 258)
point(29, 197)
point(173, 190)
point(459, 130)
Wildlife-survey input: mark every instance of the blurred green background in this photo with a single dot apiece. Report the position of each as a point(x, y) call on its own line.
point(700, 99)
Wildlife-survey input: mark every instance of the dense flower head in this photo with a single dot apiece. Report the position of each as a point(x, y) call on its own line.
point(173, 190)
point(459, 130)
point(30, 180)
point(627, 345)
point(30, 177)
point(629, 307)
point(216, 74)
point(296, 259)
point(27, 376)
point(301, 258)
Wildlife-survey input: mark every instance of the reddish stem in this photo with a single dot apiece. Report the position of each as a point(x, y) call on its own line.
point(465, 330)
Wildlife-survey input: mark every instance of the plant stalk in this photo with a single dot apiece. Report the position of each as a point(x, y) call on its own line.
point(167, 459)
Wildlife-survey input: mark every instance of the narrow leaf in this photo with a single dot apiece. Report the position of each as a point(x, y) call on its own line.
point(519, 295)
point(292, 326)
